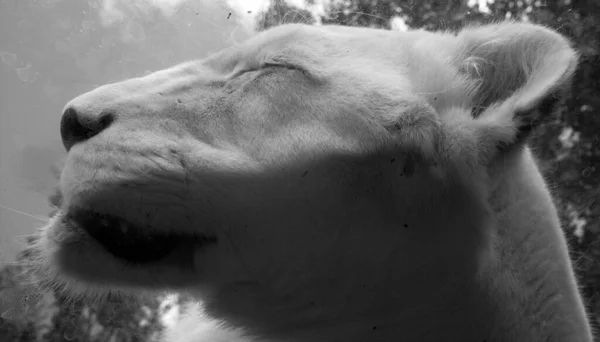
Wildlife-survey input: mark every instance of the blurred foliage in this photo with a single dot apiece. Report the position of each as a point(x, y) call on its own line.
point(280, 12)
point(568, 144)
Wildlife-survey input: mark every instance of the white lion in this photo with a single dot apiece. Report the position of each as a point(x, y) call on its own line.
point(327, 184)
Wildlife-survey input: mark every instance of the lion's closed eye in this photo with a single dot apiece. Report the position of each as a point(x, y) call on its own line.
point(289, 66)
point(269, 67)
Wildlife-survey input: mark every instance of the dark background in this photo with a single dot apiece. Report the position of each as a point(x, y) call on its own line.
point(77, 47)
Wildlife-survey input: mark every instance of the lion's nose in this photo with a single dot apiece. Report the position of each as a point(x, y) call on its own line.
point(78, 124)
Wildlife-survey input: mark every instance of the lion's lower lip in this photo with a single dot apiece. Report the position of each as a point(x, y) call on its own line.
point(127, 241)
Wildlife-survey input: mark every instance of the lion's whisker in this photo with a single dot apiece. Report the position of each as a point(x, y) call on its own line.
point(24, 213)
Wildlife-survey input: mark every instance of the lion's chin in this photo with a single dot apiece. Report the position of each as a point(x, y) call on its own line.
point(105, 251)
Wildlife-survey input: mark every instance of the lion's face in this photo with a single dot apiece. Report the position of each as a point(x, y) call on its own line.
point(307, 167)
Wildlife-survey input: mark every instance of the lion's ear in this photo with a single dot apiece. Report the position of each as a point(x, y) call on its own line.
point(515, 67)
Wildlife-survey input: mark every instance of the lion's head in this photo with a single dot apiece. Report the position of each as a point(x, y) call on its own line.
point(308, 179)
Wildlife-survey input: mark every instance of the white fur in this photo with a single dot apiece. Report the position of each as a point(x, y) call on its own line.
point(353, 194)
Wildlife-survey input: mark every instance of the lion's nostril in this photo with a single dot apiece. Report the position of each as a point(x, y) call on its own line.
point(77, 125)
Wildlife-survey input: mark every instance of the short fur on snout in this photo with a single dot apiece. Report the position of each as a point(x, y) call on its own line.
point(326, 183)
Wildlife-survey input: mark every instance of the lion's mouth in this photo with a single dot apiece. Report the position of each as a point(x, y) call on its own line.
point(130, 242)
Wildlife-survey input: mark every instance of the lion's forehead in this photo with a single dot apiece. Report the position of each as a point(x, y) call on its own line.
point(329, 49)
point(413, 63)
